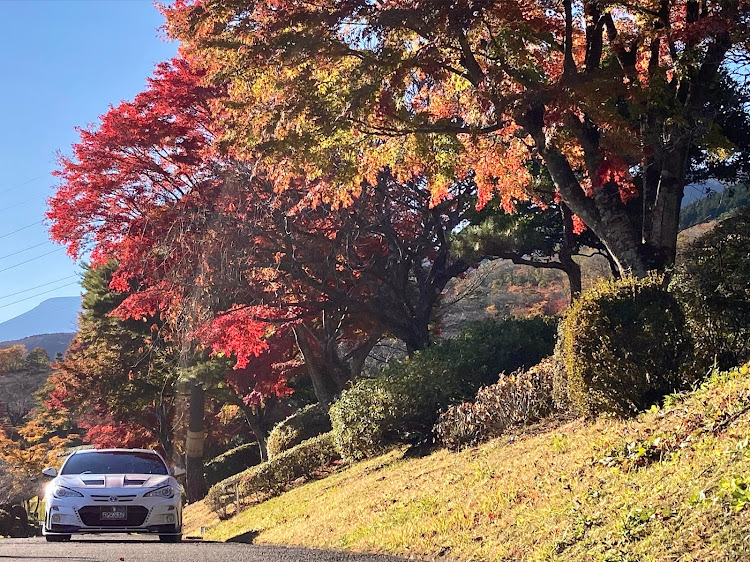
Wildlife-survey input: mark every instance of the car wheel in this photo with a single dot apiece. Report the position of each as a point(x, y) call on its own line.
point(170, 538)
point(57, 538)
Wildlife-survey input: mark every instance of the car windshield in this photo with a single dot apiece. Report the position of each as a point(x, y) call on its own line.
point(114, 462)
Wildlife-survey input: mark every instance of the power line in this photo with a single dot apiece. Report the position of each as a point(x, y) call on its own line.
point(37, 295)
point(19, 204)
point(37, 287)
point(20, 184)
point(20, 229)
point(25, 250)
point(30, 259)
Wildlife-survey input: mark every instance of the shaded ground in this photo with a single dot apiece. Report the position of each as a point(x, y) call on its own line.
point(125, 548)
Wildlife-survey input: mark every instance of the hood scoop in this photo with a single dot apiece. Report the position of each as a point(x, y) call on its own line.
point(98, 482)
point(133, 482)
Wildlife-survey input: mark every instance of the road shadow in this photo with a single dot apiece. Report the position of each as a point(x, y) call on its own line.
point(114, 541)
point(246, 538)
point(36, 557)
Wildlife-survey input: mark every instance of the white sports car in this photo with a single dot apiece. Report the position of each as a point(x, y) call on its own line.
point(113, 491)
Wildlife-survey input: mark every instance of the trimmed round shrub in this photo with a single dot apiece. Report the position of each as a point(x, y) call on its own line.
point(713, 285)
point(402, 404)
point(376, 413)
point(232, 462)
point(624, 344)
point(305, 423)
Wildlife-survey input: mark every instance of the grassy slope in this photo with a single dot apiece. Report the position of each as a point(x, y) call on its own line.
point(573, 490)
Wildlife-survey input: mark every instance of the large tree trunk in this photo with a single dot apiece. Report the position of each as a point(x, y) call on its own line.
point(324, 385)
point(196, 437)
point(409, 321)
point(603, 212)
point(359, 356)
point(573, 272)
point(329, 370)
point(417, 337)
point(569, 265)
point(165, 430)
point(608, 218)
point(255, 419)
point(663, 194)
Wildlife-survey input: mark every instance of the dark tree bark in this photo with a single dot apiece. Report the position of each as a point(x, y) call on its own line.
point(256, 419)
point(329, 365)
point(194, 445)
point(567, 250)
point(324, 385)
point(165, 430)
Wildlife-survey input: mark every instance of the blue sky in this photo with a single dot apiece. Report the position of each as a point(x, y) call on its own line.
point(62, 63)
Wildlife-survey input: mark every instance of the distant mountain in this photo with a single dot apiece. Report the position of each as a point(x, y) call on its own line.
point(715, 206)
point(53, 316)
point(696, 191)
point(51, 343)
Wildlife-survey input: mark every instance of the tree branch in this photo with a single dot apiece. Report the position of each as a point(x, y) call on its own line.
point(569, 64)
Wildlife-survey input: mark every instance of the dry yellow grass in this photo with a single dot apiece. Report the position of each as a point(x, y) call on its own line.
point(669, 485)
point(195, 516)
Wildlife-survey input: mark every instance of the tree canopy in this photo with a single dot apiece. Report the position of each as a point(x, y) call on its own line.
point(240, 260)
point(611, 97)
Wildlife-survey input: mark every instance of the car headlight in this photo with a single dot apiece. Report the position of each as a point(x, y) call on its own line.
point(63, 492)
point(163, 492)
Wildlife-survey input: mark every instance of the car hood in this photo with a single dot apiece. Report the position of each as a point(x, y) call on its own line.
point(94, 481)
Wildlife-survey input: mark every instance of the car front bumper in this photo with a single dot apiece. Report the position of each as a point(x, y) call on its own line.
point(66, 516)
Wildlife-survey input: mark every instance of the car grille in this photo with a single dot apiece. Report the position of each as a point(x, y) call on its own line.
point(90, 517)
point(108, 497)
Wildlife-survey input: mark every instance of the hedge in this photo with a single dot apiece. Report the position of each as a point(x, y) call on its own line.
point(231, 462)
point(305, 423)
point(516, 399)
point(402, 404)
point(274, 476)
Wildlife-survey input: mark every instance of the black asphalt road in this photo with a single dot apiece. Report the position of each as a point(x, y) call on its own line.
point(125, 548)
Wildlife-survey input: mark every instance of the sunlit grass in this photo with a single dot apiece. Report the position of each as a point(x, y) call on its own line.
point(195, 516)
point(660, 487)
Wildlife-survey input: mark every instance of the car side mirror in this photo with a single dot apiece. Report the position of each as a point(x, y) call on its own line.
point(49, 471)
point(178, 471)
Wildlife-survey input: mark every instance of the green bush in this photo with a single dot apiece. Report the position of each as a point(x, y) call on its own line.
point(376, 413)
point(305, 423)
point(274, 476)
point(713, 284)
point(483, 350)
point(517, 399)
point(402, 405)
point(232, 462)
point(624, 344)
